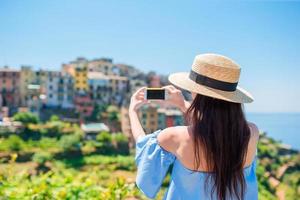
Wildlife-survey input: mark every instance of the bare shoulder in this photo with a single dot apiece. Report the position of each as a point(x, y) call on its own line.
point(169, 138)
point(252, 145)
point(254, 130)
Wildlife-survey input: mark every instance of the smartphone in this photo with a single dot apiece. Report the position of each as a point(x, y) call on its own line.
point(155, 94)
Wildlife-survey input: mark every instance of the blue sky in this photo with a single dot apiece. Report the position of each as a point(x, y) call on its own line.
point(263, 37)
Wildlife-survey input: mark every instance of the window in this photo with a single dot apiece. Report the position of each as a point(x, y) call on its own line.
point(60, 97)
point(69, 97)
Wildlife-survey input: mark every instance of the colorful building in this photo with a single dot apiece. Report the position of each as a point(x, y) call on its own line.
point(40, 78)
point(81, 80)
point(119, 89)
point(110, 89)
point(103, 65)
point(149, 117)
point(27, 77)
point(9, 88)
point(101, 79)
point(78, 70)
point(84, 106)
point(99, 89)
point(70, 67)
point(174, 117)
point(154, 118)
point(128, 71)
point(60, 91)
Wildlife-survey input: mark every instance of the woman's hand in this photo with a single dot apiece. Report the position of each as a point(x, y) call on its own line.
point(137, 99)
point(176, 98)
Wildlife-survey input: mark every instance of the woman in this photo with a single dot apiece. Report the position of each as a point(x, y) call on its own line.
point(214, 156)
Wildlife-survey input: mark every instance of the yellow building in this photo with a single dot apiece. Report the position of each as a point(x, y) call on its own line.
point(149, 118)
point(78, 70)
point(27, 77)
point(81, 79)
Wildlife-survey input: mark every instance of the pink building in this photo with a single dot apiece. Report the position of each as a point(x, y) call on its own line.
point(9, 87)
point(84, 105)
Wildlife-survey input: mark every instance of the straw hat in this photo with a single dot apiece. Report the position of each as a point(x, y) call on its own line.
point(215, 76)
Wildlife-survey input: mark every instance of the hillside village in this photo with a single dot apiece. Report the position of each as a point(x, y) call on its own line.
point(80, 92)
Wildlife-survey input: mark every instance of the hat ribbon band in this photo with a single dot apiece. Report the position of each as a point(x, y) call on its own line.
point(213, 83)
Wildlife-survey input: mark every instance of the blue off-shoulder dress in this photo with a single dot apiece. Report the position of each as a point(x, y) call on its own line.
point(153, 163)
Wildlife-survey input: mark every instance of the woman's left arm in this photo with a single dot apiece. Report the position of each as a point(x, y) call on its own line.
point(137, 100)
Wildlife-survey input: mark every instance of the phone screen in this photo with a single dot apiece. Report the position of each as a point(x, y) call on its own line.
point(155, 93)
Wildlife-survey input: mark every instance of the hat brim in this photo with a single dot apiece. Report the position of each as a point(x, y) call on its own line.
point(182, 80)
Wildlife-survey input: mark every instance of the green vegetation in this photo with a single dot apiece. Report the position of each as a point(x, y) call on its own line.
point(278, 170)
point(26, 118)
point(54, 160)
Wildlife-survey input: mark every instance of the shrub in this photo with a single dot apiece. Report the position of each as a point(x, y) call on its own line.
point(42, 157)
point(121, 141)
point(54, 118)
point(53, 128)
point(15, 143)
point(45, 143)
point(103, 143)
point(26, 118)
point(70, 142)
point(104, 137)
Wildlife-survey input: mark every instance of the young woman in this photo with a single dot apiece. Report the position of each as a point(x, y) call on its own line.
point(214, 156)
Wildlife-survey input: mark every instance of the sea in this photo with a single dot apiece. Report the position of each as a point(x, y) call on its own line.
point(284, 127)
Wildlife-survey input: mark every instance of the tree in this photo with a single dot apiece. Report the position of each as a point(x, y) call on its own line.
point(103, 143)
point(15, 143)
point(104, 137)
point(113, 113)
point(26, 118)
point(121, 143)
point(41, 158)
point(70, 142)
point(54, 118)
point(113, 118)
point(96, 115)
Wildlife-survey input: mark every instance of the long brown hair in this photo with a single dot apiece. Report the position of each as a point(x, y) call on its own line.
point(222, 131)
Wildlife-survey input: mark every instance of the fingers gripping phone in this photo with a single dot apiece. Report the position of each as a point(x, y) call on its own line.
point(155, 94)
